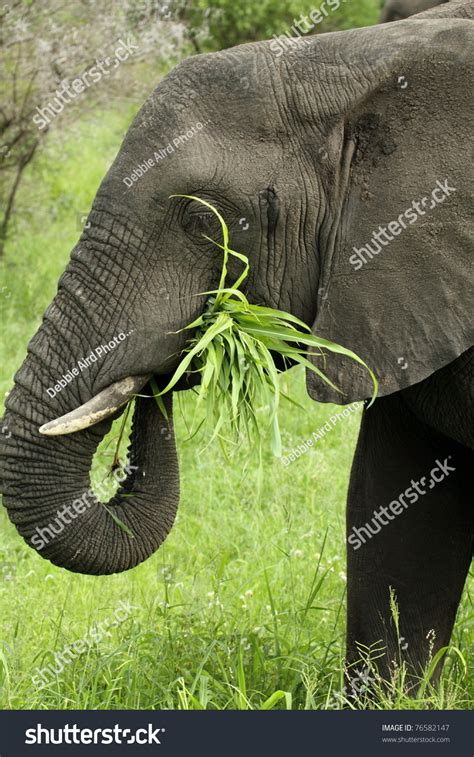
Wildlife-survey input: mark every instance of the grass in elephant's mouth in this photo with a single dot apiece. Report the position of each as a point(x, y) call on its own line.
point(233, 350)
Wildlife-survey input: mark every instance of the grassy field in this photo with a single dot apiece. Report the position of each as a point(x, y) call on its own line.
point(244, 605)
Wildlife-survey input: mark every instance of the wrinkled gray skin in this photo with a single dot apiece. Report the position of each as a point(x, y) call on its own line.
point(315, 148)
point(397, 10)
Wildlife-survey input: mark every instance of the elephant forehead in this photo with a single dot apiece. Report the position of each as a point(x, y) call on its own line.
point(192, 160)
point(239, 88)
point(201, 156)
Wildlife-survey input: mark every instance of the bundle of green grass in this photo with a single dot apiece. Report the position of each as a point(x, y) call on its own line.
point(233, 347)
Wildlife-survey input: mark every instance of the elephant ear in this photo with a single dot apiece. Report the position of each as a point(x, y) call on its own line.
point(404, 305)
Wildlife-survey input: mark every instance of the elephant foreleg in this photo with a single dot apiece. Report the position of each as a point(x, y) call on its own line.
point(420, 546)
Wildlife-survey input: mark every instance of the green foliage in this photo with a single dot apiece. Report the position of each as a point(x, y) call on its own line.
point(231, 23)
point(233, 347)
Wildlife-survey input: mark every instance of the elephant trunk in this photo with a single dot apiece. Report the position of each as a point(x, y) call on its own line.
point(47, 490)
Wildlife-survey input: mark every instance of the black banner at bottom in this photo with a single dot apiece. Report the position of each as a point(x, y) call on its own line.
point(277, 733)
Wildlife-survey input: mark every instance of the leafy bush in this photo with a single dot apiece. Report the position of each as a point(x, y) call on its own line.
point(217, 24)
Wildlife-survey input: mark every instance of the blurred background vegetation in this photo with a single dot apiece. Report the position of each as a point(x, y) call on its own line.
point(50, 43)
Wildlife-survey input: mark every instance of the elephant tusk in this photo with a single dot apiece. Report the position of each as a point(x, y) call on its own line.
point(96, 409)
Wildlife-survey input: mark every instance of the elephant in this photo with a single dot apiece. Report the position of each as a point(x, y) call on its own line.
point(396, 10)
point(344, 156)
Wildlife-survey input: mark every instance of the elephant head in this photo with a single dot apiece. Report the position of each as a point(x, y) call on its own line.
point(305, 154)
point(396, 10)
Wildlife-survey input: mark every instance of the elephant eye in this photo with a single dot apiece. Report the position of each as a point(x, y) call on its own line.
point(199, 223)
